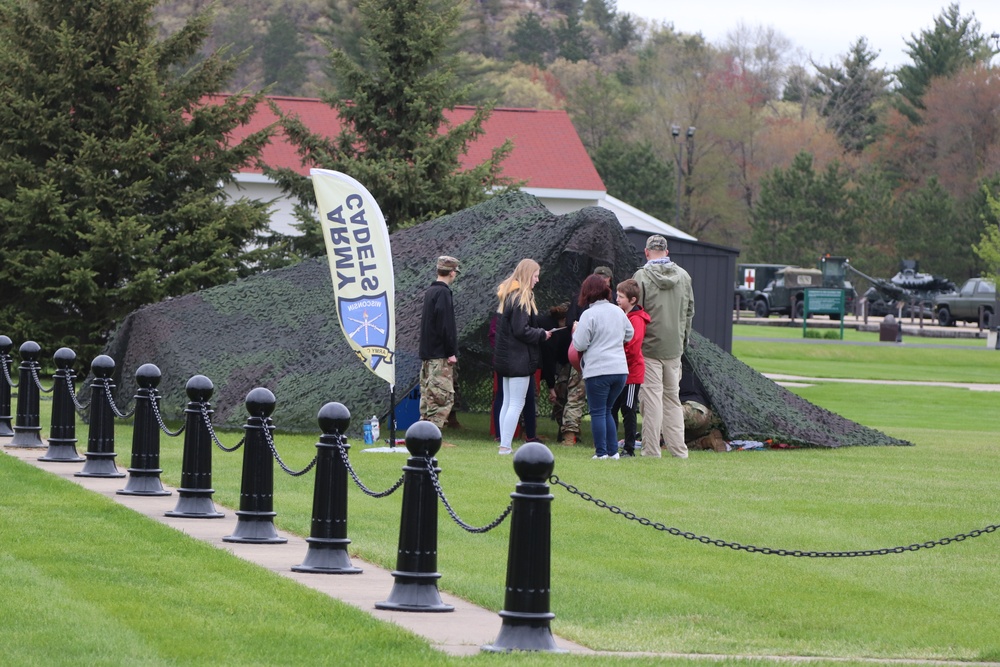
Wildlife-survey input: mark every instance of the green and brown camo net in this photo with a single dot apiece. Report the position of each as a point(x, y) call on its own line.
point(279, 329)
point(752, 407)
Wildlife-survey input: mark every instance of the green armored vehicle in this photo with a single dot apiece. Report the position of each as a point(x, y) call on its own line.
point(750, 278)
point(785, 295)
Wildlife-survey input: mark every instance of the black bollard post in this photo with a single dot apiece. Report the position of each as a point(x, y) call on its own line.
point(62, 432)
point(526, 614)
point(144, 473)
point(194, 499)
point(255, 517)
point(415, 586)
point(101, 434)
point(27, 422)
point(327, 553)
point(5, 363)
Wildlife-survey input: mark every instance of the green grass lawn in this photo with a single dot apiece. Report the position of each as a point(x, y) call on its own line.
point(616, 585)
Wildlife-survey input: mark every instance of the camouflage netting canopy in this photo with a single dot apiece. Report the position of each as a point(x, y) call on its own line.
point(752, 407)
point(279, 329)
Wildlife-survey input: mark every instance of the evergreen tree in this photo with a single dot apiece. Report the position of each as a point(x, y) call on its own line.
point(601, 13)
point(624, 33)
point(111, 168)
point(801, 214)
point(954, 42)
point(936, 233)
point(531, 40)
point(395, 139)
point(574, 45)
point(282, 56)
point(851, 95)
point(633, 173)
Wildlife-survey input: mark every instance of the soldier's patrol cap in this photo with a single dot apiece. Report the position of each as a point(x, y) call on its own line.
point(446, 263)
point(656, 242)
point(604, 271)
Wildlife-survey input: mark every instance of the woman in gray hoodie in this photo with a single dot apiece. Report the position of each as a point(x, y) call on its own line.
point(600, 338)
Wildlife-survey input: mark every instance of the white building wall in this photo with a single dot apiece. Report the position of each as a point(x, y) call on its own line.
point(560, 202)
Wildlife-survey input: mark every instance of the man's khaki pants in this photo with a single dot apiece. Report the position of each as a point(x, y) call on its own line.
point(661, 408)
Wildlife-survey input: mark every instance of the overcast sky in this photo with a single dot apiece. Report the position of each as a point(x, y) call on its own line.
point(823, 31)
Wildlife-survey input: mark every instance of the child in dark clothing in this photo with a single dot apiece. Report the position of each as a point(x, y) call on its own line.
point(628, 400)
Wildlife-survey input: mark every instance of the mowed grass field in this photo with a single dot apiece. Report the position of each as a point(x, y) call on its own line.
point(87, 582)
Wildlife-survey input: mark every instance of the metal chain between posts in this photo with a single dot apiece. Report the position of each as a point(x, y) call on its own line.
point(274, 452)
point(472, 529)
point(357, 480)
point(81, 408)
point(6, 372)
point(38, 382)
point(155, 403)
point(211, 432)
point(768, 551)
point(114, 408)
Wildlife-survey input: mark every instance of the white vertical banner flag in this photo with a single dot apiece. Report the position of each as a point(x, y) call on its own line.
point(357, 247)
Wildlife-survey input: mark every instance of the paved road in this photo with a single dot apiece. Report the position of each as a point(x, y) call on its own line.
point(907, 342)
point(798, 380)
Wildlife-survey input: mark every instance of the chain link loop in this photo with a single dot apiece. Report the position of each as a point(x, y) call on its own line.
point(768, 551)
point(5, 361)
point(357, 480)
point(114, 408)
point(215, 438)
point(274, 452)
point(81, 408)
point(154, 401)
point(38, 382)
point(472, 529)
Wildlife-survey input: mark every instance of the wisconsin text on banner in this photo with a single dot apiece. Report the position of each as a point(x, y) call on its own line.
point(357, 246)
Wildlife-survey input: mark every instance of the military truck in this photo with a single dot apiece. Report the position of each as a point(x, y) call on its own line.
point(785, 295)
point(750, 278)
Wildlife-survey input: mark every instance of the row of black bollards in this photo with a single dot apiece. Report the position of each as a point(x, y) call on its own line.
point(526, 615)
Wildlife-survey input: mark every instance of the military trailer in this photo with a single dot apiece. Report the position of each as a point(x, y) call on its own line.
point(750, 278)
point(785, 295)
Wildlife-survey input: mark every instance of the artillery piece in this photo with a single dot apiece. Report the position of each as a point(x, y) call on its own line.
point(904, 293)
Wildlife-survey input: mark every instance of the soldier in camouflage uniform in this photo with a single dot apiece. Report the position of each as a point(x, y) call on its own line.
point(438, 345)
point(702, 428)
point(572, 413)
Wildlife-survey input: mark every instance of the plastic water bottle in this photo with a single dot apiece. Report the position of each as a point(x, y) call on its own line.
point(366, 429)
point(375, 429)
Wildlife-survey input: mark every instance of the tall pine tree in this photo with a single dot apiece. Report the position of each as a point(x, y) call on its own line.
point(955, 42)
point(111, 168)
point(395, 139)
point(852, 93)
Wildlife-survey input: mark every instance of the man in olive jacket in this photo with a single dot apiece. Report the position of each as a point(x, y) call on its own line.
point(665, 293)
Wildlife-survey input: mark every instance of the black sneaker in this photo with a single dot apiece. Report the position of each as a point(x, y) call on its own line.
point(625, 453)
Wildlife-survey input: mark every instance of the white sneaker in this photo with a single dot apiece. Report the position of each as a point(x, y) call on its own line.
point(615, 457)
point(599, 458)
point(504, 451)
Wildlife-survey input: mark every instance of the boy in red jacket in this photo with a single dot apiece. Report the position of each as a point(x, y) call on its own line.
point(628, 400)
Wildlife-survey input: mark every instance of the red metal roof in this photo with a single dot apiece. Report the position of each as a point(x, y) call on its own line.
point(547, 150)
